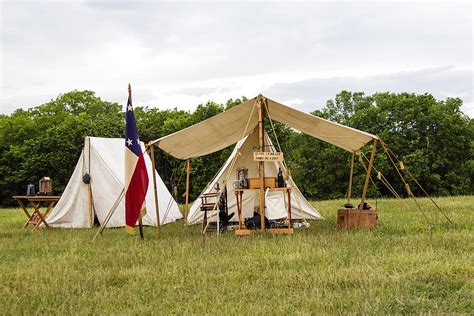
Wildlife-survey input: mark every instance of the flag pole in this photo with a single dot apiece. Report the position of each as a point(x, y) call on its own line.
point(140, 228)
point(140, 224)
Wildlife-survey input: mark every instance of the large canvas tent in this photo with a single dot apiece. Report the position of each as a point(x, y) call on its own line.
point(103, 160)
point(233, 125)
point(276, 201)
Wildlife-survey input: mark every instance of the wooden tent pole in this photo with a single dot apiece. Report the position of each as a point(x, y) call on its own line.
point(349, 192)
point(261, 164)
point(367, 177)
point(89, 185)
point(157, 207)
point(186, 208)
point(91, 216)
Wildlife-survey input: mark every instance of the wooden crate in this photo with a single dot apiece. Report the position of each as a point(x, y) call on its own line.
point(353, 218)
point(270, 182)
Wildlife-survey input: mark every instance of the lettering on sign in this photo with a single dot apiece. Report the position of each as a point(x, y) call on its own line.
point(267, 156)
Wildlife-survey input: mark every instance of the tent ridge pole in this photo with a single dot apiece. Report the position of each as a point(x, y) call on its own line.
point(157, 208)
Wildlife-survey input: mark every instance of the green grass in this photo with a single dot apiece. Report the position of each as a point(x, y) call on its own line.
point(402, 267)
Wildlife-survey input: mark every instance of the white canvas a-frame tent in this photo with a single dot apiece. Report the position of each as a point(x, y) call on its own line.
point(276, 201)
point(103, 160)
point(233, 125)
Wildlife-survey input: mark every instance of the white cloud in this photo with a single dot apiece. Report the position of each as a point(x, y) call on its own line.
point(179, 54)
point(442, 82)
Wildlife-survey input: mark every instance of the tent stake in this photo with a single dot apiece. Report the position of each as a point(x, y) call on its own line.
point(186, 208)
point(157, 207)
point(367, 177)
point(349, 192)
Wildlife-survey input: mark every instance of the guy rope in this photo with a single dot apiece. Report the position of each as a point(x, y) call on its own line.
point(399, 168)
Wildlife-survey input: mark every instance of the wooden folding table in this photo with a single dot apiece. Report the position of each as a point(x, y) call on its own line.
point(37, 217)
point(241, 231)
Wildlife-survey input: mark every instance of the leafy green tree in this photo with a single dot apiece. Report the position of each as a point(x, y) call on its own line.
point(47, 140)
point(433, 138)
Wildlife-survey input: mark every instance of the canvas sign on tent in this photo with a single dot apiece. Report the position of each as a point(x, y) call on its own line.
point(103, 160)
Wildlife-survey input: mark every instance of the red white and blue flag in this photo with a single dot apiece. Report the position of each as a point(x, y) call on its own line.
point(136, 176)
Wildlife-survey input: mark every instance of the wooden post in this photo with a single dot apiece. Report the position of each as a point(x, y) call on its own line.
point(261, 164)
point(349, 192)
point(188, 171)
point(367, 177)
point(89, 185)
point(140, 227)
point(157, 207)
point(289, 207)
point(89, 202)
point(238, 197)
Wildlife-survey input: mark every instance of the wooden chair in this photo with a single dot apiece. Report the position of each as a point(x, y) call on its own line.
point(209, 202)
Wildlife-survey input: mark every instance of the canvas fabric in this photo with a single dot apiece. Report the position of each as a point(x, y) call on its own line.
point(213, 134)
point(229, 127)
point(275, 201)
point(342, 136)
point(103, 159)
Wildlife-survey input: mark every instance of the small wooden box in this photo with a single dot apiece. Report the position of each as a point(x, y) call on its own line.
point(353, 218)
point(270, 182)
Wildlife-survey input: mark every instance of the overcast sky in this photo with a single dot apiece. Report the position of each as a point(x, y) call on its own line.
point(180, 54)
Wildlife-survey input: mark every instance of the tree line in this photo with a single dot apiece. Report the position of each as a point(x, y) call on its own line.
point(432, 137)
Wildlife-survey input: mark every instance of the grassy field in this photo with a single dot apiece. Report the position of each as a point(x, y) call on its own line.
point(402, 267)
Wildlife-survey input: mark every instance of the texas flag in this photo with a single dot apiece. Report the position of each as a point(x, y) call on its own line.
point(136, 176)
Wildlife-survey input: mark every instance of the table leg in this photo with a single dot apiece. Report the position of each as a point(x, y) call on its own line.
point(204, 222)
point(238, 208)
point(25, 210)
point(289, 208)
point(50, 207)
point(35, 215)
point(38, 213)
